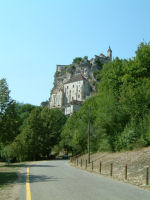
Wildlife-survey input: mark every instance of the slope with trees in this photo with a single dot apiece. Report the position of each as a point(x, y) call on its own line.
point(120, 114)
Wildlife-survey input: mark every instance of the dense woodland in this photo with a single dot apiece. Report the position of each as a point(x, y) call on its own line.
point(119, 115)
point(27, 132)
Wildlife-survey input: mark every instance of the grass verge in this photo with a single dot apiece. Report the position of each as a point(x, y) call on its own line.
point(8, 174)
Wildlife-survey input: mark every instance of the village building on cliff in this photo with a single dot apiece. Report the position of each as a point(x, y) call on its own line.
point(73, 83)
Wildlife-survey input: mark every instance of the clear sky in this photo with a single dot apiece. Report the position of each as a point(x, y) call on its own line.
point(36, 35)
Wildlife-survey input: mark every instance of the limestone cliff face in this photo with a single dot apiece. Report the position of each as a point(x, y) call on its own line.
point(80, 66)
point(85, 67)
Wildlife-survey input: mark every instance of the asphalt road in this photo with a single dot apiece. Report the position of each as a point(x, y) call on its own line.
point(56, 180)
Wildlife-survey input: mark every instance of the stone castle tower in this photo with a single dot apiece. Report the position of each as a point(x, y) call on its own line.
point(109, 53)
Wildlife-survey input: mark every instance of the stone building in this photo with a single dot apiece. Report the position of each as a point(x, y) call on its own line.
point(76, 90)
point(56, 99)
point(72, 106)
point(74, 83)
point(70, 98)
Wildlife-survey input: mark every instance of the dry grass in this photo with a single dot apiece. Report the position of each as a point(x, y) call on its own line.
point(137, 161)
point(8, 185)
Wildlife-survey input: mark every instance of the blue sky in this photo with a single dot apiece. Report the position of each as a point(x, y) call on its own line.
point(36, 35)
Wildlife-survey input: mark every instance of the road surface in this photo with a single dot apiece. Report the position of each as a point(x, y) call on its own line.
point(56, 180)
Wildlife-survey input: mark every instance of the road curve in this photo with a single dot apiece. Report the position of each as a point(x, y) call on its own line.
point(56, 180)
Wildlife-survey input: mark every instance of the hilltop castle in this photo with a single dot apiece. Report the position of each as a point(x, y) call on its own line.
point(74, 83)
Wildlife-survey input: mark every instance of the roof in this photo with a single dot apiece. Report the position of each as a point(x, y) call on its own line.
point(76, 78)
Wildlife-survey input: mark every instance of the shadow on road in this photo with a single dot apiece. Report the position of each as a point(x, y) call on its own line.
point(42, 178)
point(7, 178)
point(40, 166)
point(36, 178)
point(10, 173)
point(28, 165)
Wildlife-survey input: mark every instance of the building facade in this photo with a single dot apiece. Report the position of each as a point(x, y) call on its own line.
point(77, 88)
point(56, 99)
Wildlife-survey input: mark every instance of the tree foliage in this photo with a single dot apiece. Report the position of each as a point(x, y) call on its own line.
point(77, 60)
point(27, 132)
point(121, 109)
point(40, 133)
point(8, 115)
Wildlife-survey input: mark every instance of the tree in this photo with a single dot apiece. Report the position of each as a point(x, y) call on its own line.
point(74, 136)
point(8, 115)
point(40, 133)
point(128, 83)
point(53, 121)
point(23, 111)
point(77, 60)
point(5, 99)
point(44, 104)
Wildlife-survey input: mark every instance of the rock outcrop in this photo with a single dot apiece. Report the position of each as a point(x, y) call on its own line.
point(64, 73)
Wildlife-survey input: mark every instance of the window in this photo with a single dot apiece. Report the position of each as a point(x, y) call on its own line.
point(73, 86)
point(67, 87)
point(78, 96)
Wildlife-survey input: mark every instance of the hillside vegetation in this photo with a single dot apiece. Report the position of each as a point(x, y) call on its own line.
point(120, 110)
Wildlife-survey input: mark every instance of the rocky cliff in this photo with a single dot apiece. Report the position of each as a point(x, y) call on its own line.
point(88, 68)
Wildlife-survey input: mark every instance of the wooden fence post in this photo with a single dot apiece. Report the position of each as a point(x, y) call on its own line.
point(111, 169)
point(100, 167)
point(126, 168)
point(86, 164)
point(147, 175)
point(74, 161)
point(92, 166)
